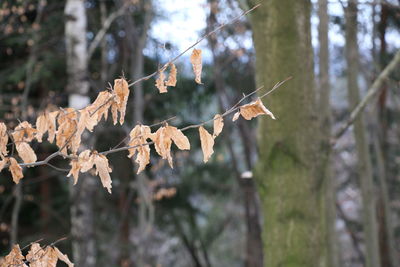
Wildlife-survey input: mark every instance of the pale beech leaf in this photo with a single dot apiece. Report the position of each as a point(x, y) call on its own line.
point(160, 82)
point(207, 143)
point(3, 163)
point(99, 108)
point(24, 132)
point(16, 170)
point(67, 127)
point(103, 170)
point(162, 143)
point(121, 91)
point(63, 257)
point(3, 139)
point(180, 140)
point(14, 258)
point(254, 109)
point(218, 125)
point(36, 256)
point(236, 116)
point(25, 152)
point(138, 139)
point(85, 160)
point(75, 168)
point(41, 127)
point(172, 76)
point(195, 59)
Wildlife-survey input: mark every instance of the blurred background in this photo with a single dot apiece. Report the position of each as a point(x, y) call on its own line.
point(273, 191)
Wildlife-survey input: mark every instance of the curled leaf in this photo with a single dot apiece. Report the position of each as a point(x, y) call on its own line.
point(14, 258)
point(138, 139)
point(99, 108)
point(24, 132)
point(25, 152)
point(16, 170)
point(195, 59)
point(172, 76)
point(236, 116)
point(121, 91)
point(160, 82)
point(254, 109)
point(63, 257)
point(218, 125)
point(46, 123)
point(103, 170)
point(207, 143)
point(3, 139)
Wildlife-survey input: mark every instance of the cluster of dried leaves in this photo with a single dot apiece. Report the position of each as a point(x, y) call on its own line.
point(36, 257)
point(66, 126)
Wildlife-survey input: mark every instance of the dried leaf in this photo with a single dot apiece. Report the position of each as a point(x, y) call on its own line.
point(160, 82)
point(3, 163)
point(3, 139)
point(99, 108)
point(46, 123)
point(196, 61)
point(16, 170)
point(122, 90)
point(36, 256)
point(14, 258)
point(163, 138)
point(236, 116)
point(41, 126)
point(172, 76)
point(207, 143)
point(86, 160)
point(218, 125)
point(63, 257)
point(138, 137)
point(24, 132)
point(254, 109)
point(103, 170)
point(180, 140)
point(67, 121)
point(75, 168)
point(25, 152)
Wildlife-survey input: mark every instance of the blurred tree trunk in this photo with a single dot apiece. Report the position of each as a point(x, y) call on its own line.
point(254, 247)
point(290, 192)
point(82, 217)
point(364, 158)
point(324, 169)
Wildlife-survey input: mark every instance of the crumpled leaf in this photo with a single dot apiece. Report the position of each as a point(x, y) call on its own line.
point(25, 152)
point(63, 257)
point(67, 121)
point(15, 169)
point(160, 82)
point(236, 116)
point(172, 76)
point(83, 163)
point(103, 170)
point(121, 92)
point(3, 139)
point(14, 258)
point(138, 137)
point(195, 59)
point(163, 138)
point(46, 123)
point(207, 143)
point(24, 132)
point(36, 256)
point(3, 163)
point(218, 125)
point(254, 109)
point(99, 108)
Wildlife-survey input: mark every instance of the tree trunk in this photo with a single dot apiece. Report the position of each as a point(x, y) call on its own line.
point(82, 217)
point(291, 194)
point(325, 124)
point(364, 158)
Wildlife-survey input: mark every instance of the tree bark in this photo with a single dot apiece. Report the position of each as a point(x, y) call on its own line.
point(291, 195)
point(82, 215)
point(325, 125)
point(363, 154)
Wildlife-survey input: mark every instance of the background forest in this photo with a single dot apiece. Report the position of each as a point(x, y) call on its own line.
point(318, 186)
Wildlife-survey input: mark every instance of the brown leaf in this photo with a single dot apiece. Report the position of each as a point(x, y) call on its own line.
point(75, 168)
point(172, 76)
point(46, 123)
point(196, 61)
point(236, 116)
point(180, 140)
point(14, 258)
point(24, 132)
point(67, 121)
point(3, 139)
point(160, 82)
point(63, 257)
point(36, 256)
point(163, 138)
point(121, 91)
point(25, 152)
point(3, 163)
point(254, 109)
point(86, 160)
point(103, 170)
point(138, 137)
point(207, 143)
point(16, 170)
point(218, 125)
point(99, 108)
